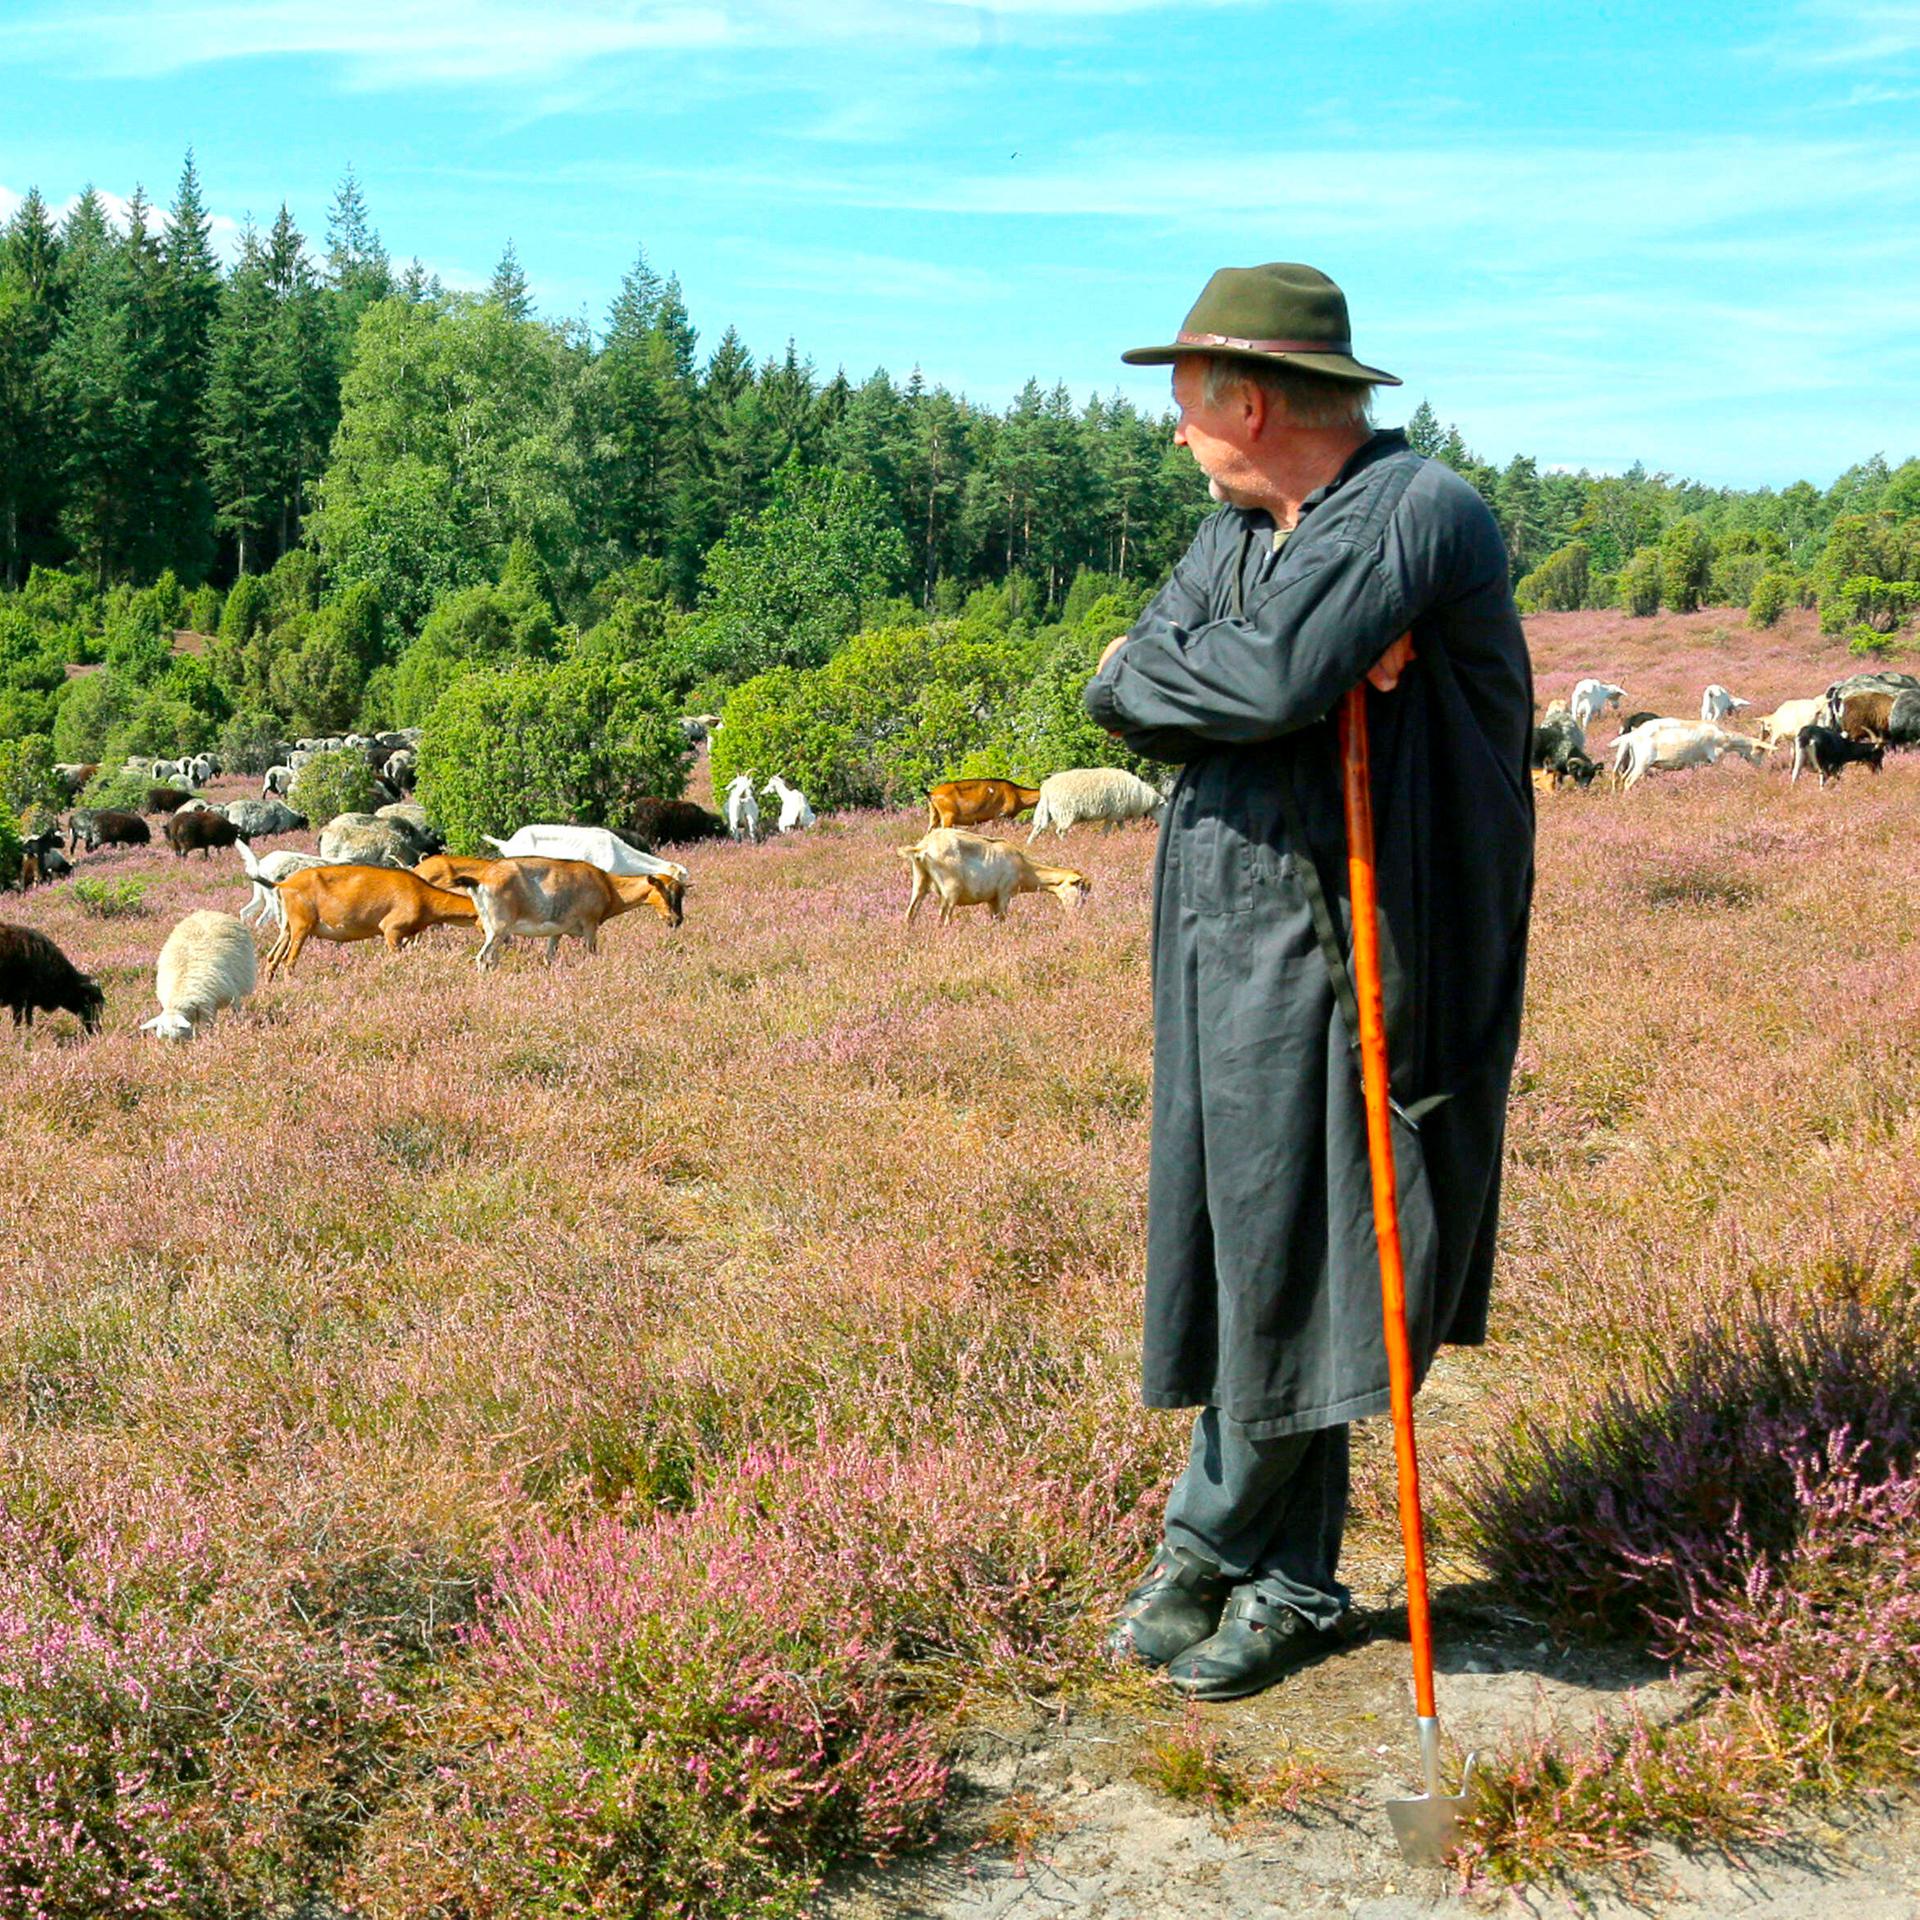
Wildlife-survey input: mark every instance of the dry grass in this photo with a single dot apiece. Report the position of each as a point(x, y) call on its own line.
point(401, 1268)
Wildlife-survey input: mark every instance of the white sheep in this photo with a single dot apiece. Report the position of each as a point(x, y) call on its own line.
point(795, 811)
point(1716, 703)
point(1591, 698)
point(743, 810)
point(206, 964)
point(1094, 793)
point(597, 846)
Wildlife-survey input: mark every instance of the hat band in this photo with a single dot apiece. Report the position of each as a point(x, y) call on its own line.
point(1265, 346)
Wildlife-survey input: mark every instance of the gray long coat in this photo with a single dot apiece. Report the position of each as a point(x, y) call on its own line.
point(1263, 1291)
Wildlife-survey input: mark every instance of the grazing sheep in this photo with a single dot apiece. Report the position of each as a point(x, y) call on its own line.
point(1830, 753)
point(595, 845)
point(262, 819)
point(266, 875)
point(1093, 793)
point(413, 817)
point(206, 964)
point(108, 827)
point(967, 803)
point(1558, 741)
point(204, 830)
point(277, 780)
point(36, 976)
point(796, 813)
point(743, 810)
point(347, 903)
point(1591, 698)
point(402, 770)
point(654, 823)
point(1716, 703)
point(969, 870)
point(359, 840)
point(1634, 720)
point(1903, 723)
point(166, 799)
point(1866, 715)
point(555, 899)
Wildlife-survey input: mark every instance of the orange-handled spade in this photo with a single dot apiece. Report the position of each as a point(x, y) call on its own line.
point(1428, 1825)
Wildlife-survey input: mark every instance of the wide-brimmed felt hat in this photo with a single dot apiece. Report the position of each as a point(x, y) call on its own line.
point(1281, 314)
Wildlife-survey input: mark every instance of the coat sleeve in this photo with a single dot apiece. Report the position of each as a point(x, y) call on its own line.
point(1284, 665)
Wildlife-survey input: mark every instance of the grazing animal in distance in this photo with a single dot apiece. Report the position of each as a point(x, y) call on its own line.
point(743, 810)
point(595, 845)
point(796, 811)
point(968, 803)
point(166, 799)
point(970, 870)
point(1559, 741)
point(345, 904)
point(1669, 745)
point(653, 823)
point(204, 830)
point(1105, 794)
point(1591, 698)
point(109, 827)
point(35, 976)
point(1829, 753)
point(1716, 703)
point(552, 900)
point(207, 963)
point(1867, 715)
point(1635, 720)
point(1780, 727)
point(1903, 722)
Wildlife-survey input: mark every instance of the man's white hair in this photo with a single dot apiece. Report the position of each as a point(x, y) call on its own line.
point(1306, 399)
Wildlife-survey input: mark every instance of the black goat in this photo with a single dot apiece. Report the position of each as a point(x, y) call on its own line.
point(1828, 752)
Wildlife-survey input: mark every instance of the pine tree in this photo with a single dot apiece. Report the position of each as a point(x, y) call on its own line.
point(29, 414)
point(188, 297)
point(358, 273)
point(30, 255)
point(1423, 430)
point(245, 436)
point(508, 287)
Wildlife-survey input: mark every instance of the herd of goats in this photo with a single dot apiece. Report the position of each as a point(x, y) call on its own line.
point(386, 874)
point(1856, 720)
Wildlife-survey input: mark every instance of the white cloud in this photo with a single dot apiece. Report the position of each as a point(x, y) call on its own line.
point(405, 43)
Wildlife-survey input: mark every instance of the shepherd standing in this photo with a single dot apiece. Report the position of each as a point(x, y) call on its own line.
point(1337, 554)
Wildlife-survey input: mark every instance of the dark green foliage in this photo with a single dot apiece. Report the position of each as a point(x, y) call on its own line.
point(333, 783)
point(1559, 583)
point(321, 661)
point(11, 851)
point(1686, 565)
point(1640, 582)
point(1772, 594)
point(480, 627)
point(247, 741)
point(94, 706)
point(578, 742)
point(26, 776)
point(124, 788)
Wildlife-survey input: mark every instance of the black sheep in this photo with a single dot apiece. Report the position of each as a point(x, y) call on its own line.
point(201, 828)
point(166, 799)
point(35, 974)
point(108, 827)
point(657, 823)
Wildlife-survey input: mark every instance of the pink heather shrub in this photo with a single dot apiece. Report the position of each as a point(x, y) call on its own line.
point(696, 1712)
point(1619, 1519)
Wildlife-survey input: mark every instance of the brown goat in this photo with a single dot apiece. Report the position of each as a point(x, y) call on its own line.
point(965, 803)
point(201, 828)
point(344, 904)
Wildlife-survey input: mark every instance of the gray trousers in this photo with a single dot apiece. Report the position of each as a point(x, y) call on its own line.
point(1269, 1512)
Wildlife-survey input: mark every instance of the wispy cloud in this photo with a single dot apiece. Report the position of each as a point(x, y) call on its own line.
point(451, 43)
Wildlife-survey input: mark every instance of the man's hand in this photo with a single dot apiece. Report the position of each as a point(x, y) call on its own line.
point(1113, 646)
point(1386, 671)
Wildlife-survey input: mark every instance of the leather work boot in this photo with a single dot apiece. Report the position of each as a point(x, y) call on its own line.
point(1256, 1643)
point(1175, 1605)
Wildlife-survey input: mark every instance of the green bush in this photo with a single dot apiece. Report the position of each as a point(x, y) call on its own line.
point(122, 787)
point(1640, 583)
point(1882, 606)
point(1769, 599)
point(94, 705)
point(577, 742)
point(474, 629)
point(11, 853)
point(322, 659)
point(1735, 575)
point(204, 609)
point(27, 776)
point(1559, 583)
point(248, 741)
point(159, 723)
point(1686, 565)
point(333, 783)
point(103, 899)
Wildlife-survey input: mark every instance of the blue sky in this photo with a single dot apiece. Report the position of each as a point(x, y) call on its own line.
point(1612, 231)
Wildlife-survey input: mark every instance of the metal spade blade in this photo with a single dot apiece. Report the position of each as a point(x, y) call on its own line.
point(1428, 1826)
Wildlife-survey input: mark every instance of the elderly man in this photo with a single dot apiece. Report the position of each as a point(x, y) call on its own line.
point(1337, 555)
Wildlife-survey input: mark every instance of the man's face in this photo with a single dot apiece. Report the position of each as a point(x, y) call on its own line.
point(1219, 435)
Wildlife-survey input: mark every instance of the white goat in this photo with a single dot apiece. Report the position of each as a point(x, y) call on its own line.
point(1591, 698)
point(743, 810)
point(795, 813)
point(1781, 727)
point(1716, 703)
point(969, 870)
point(207, 963)
point(1668, 745)
point(1093, 793)
point(266, 875)
point(595, 845)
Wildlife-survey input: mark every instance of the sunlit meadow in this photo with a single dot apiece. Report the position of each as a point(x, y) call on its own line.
point(574, 1441)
